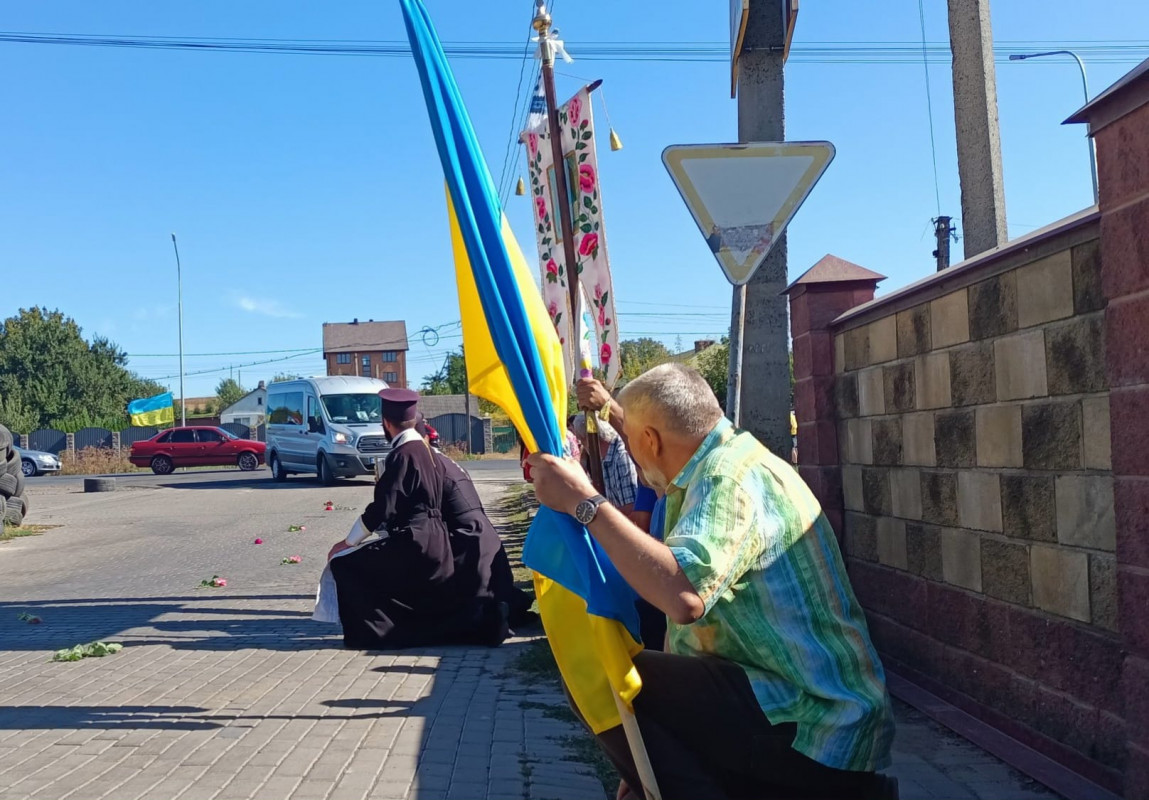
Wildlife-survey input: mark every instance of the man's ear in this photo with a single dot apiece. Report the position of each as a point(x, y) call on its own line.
point(653, 441)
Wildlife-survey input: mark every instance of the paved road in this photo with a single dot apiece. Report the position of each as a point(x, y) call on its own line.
point(493, 469)
point(236, 693)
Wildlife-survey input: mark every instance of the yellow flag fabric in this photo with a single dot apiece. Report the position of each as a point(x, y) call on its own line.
point(155, 419)
point(157, 411)
point(593, 653)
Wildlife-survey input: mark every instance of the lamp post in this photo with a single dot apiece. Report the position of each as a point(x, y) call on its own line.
point(1085, 90)
point(180, 297)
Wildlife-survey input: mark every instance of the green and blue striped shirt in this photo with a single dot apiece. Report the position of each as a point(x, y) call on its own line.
point(755, 544)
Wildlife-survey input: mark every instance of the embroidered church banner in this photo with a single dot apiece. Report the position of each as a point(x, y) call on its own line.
point(593, 265)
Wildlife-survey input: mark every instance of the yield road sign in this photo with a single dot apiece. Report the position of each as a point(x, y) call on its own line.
point(743, 195)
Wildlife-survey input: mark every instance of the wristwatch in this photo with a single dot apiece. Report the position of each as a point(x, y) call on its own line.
point(587, 510)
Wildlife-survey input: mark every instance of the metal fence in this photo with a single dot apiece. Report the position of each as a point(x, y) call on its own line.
point(452, 429)
point(53, 441)
point(131, 435)
point(504, 438)
point(92, 437)
point(50, 441)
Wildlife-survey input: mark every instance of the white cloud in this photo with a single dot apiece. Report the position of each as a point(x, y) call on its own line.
point(267, 308)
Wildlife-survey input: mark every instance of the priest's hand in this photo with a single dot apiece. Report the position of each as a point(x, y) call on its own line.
point(338, 548)
point(560, 483)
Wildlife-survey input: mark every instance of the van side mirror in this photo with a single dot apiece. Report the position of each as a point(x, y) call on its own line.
point(315, 425)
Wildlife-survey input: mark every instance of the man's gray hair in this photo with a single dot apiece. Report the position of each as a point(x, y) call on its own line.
point(679, 395)
point(606, 431)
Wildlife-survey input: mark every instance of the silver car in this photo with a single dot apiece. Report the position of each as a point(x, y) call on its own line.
point(37, 462)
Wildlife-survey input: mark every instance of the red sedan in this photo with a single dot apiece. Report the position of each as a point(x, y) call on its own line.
point(196, 447)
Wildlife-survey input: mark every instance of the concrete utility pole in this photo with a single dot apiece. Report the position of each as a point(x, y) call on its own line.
point(764, 397)
point(978, 135)
point(942, 232)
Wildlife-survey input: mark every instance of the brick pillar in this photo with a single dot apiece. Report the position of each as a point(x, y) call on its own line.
point(824, 292)
point(1119, 123)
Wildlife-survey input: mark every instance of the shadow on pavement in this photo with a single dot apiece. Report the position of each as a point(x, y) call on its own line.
point(182, 623)
point(266, 482)
point(79, 717)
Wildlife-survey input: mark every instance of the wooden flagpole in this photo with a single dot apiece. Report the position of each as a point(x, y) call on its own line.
point(542, 25)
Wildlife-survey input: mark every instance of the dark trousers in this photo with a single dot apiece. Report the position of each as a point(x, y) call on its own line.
point(707, 738)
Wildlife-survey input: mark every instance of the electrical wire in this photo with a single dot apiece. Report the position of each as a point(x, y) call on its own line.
point(930, 107)
point(1098, 51)
point(512, 137)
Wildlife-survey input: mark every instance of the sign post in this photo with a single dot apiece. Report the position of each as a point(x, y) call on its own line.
point(742, 197)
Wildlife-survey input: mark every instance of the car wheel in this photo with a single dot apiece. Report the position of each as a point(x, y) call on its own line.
point(277, 470)
point(323, 471)
point(248, 462)
point(28, 467)
point(162, 465)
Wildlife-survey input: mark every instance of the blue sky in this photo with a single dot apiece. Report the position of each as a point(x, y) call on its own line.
point(306, 189)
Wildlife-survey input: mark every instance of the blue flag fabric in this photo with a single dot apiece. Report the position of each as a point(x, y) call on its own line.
point(557, 546)
point(157, 410)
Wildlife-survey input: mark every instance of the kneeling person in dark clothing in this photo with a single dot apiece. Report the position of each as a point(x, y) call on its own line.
point(482, 569)
point(399, 591)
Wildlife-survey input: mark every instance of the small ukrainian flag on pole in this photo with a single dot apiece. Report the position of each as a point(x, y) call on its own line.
point(155, 411)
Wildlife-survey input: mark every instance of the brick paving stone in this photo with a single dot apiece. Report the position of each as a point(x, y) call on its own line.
point(235, 694)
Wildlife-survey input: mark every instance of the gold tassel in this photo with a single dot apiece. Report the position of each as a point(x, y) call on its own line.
point(615, 142)
point(521, 188)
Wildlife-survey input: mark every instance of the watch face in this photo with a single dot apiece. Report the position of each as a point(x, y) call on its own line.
point(584, 512)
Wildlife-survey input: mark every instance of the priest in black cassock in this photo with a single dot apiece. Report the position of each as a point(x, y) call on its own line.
point(399, 591)
point(482, 568)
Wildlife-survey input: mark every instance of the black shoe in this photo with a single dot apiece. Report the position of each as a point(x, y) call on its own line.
point(497, 627)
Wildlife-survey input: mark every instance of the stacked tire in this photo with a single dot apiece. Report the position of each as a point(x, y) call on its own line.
point(13, 501)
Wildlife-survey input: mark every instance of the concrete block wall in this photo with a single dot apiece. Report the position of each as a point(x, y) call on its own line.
point(973, 428)
point(1118, 121)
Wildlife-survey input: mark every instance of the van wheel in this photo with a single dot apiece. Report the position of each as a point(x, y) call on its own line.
point(277, 471)
point(323, 471)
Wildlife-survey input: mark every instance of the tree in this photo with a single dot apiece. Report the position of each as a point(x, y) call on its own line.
point(285, 376)
point(16, 417)
point(714, 364)
point(639, 355)
point(451, 377)
point(50, 375)
point(229, 392)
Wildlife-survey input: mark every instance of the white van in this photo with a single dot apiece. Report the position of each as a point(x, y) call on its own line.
point(330, 426)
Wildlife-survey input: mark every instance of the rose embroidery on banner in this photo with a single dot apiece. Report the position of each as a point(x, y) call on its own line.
point(533, 143)
point(552, 272)
point(541, 207)
point(574, 110)
point(588, 246)
point(605, 354)
point(586, 178)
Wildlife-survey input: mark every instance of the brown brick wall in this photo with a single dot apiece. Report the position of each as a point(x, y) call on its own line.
point(973, 434)
point(378, 366)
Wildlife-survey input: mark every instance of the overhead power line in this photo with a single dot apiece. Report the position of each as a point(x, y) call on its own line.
point(1095, 51)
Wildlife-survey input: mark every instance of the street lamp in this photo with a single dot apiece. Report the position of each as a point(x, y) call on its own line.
point(1085, 89)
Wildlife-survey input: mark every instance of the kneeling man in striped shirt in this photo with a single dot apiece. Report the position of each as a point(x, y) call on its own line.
point(770, 685)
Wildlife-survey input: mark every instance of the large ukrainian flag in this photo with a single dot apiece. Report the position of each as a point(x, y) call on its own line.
point(514, 359)
point(154, 411)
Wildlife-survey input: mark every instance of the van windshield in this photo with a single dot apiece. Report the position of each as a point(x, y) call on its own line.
point(354, 409)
